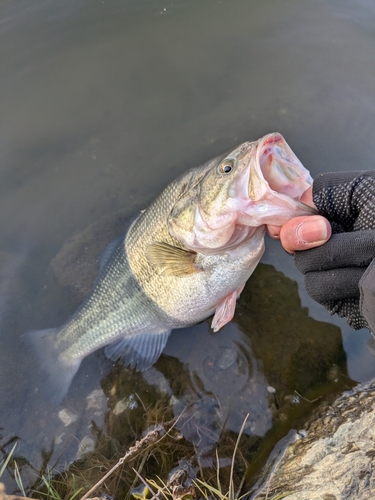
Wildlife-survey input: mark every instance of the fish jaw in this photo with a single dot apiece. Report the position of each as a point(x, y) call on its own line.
point(277, 168)
point(277, 180)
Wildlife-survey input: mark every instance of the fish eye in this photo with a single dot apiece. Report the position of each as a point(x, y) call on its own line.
point(226, 167)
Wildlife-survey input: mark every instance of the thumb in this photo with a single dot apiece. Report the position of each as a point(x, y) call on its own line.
point(302, 233)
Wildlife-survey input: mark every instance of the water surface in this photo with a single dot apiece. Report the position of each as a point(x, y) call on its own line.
point(106, 102)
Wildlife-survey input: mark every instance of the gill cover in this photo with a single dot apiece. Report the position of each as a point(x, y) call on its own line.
point(204, 218)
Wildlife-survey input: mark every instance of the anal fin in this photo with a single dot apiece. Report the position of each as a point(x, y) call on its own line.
point(140, 351)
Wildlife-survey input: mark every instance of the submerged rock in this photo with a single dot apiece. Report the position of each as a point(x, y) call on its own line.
point(77, 264)
point(67, 417)
point(86, 445)
point(333, 458)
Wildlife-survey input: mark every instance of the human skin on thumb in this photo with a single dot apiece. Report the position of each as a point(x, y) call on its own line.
point(302, 233)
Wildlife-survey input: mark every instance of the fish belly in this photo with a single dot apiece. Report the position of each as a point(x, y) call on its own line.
point(187, 300)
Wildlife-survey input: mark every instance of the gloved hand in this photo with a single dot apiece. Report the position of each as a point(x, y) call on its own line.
point(340, 274)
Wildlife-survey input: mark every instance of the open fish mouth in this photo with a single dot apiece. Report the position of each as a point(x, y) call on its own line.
point(257, 183)
point(276, 169)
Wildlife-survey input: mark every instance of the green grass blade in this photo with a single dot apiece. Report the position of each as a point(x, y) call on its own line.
point(5, 464)
point(75, 494)
point(212, 489)
point(218, 471)
point(52, 493)
point(18, 479)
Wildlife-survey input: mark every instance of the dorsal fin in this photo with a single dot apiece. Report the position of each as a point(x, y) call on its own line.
point(109, 250)
point(107, 253)
point(172, 260)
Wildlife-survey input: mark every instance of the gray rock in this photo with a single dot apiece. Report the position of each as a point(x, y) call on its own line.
point(334, 460)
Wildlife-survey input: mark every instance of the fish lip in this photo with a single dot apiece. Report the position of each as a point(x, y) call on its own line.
point(277, 179)
point(272, 138)
point(261, 145)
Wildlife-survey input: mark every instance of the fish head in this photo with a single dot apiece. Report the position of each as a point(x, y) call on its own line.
point(255, 184)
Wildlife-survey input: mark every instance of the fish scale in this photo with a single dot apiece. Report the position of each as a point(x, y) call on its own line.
point(186, 257)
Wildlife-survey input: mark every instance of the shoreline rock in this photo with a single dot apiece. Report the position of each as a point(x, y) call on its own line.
point(333, 459)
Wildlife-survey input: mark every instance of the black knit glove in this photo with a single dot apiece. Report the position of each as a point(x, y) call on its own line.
point(340, 274)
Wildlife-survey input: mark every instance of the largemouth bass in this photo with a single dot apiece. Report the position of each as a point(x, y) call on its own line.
point(186, 257)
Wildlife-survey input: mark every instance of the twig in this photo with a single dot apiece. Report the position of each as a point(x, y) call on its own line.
point(144, 482)
point(150, 438)
point(305, 399)
point(268, 488)
point(142, 403)
point(144, 458)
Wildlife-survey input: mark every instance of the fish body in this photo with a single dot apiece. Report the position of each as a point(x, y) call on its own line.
point(186, 257)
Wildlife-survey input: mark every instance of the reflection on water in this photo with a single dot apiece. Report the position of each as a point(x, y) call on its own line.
point(104, 103)
point(225, 384)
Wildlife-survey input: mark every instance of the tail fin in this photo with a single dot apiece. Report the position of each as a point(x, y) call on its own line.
point(56, 373)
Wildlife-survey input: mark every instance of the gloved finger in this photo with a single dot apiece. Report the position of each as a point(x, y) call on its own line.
point(348, 309)
point(342, 250)
point(348, 198)
point(334, 285)
point(367, 290)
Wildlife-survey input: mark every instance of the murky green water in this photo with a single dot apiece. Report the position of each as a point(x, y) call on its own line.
point(104, 102)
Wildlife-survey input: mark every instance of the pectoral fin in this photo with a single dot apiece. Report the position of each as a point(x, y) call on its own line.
point(172, 260)
point(140, 351)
